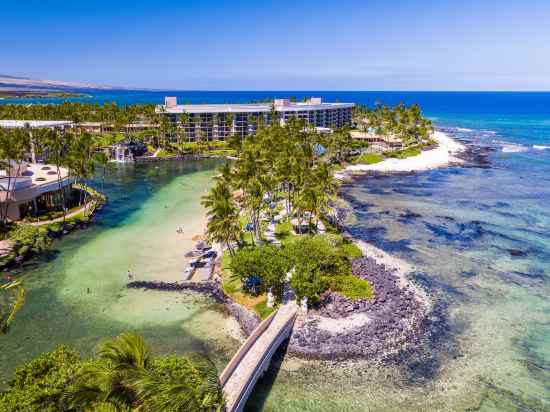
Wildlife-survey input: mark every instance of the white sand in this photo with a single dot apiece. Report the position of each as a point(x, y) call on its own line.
point(442, 155)
point(340, 325)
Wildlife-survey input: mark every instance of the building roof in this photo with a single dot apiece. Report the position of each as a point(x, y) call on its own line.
point(249, 108)
point(34, 124)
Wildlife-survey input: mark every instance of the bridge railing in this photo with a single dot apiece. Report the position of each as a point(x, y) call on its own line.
point(266, 356)
point(243, 350)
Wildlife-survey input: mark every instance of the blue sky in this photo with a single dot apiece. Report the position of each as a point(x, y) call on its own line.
point(281, 45)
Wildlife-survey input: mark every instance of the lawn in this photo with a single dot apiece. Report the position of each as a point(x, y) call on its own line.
point(369, 158)
point(403, 154)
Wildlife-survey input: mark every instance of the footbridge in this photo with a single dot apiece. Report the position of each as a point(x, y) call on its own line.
point(253, 358)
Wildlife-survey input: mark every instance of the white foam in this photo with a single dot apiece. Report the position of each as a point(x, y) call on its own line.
point(463, 129)
point(514, 149)
point(540, 147)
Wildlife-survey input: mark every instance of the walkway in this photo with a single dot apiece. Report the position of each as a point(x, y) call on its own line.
point(67, 216)
point(253, 358)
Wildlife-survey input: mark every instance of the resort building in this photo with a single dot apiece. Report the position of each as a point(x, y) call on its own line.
point(32, 189)
point(378, 143)
point(103, 127)
point(219, 121)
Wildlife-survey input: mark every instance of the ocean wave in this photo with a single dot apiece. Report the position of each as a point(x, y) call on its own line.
point(540, 147)
point(512, 148)
point(463, 129)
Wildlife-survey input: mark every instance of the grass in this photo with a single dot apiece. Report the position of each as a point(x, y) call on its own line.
point(262, 310)
point(403, 154)
point(369, 158)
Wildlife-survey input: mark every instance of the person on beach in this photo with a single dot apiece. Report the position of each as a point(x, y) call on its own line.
point(130, 276)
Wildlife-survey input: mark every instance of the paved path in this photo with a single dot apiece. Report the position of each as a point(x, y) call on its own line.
point(251, 360)
point(60, 219)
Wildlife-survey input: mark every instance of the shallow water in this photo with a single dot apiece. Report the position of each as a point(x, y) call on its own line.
point(480, 241)
point(136, 231)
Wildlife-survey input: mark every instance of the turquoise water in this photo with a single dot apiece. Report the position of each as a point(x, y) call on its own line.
point(136, 231)
point(479, 237)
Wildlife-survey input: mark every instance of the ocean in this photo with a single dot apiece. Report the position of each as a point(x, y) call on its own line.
point(479, 237)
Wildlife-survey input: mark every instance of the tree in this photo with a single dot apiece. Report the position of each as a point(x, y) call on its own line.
point(40, 384)
point(123, 377)
point(260, 268)
point(55, 144)
point(14, 146)
point(223, 216)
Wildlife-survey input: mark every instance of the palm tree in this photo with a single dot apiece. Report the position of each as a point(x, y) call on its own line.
point(109, 380)
point(100, 158)
point(126, 377)
point(14, 146)
point(223, 216)
point(54, 143)
point(160, 393)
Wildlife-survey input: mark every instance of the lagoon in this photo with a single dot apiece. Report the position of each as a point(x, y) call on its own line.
point(76, 293)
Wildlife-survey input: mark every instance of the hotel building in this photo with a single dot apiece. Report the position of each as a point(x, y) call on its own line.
point(219, 121)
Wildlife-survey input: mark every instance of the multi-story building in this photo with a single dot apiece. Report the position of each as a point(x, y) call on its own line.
point(218, 121)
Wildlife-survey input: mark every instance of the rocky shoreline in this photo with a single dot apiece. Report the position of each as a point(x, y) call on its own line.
point(391, 322)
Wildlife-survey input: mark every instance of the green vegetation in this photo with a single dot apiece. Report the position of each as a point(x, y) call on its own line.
point(124, 376)
point(264, 182)
point(318, 263)
point(284, 231)
point(260, 268)
point(353, 287)
point(79, 112)
point(369, 158)
point(262, 310)
point(16, 291)
point(403, 154)
point(405, 122)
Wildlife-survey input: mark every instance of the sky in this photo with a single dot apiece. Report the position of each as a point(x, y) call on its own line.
point(281, 45)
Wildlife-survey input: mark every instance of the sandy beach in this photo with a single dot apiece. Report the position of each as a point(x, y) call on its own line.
point(444, 154)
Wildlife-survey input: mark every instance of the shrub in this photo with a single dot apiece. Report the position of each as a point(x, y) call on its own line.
point(351, 250)
point(353, 287)
point(320, 252)
point(308, 281)
point(29, 239)
point(283, 230)
point(39, 385)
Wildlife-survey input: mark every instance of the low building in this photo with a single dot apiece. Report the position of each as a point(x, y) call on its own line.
point(103, 127)
point(32, 188)
point(219, 121)
point(36, 124)
point(378, 142)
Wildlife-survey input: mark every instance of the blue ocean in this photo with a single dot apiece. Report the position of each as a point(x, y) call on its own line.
point(479, 237)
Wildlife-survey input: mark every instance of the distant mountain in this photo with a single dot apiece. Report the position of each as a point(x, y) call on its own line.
point(10, 83)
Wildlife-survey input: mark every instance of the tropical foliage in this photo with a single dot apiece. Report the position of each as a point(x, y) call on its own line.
point(405, 122)
point(289, 165)
point(124, 376)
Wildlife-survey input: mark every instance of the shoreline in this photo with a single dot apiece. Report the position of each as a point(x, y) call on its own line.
point(445, 154)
